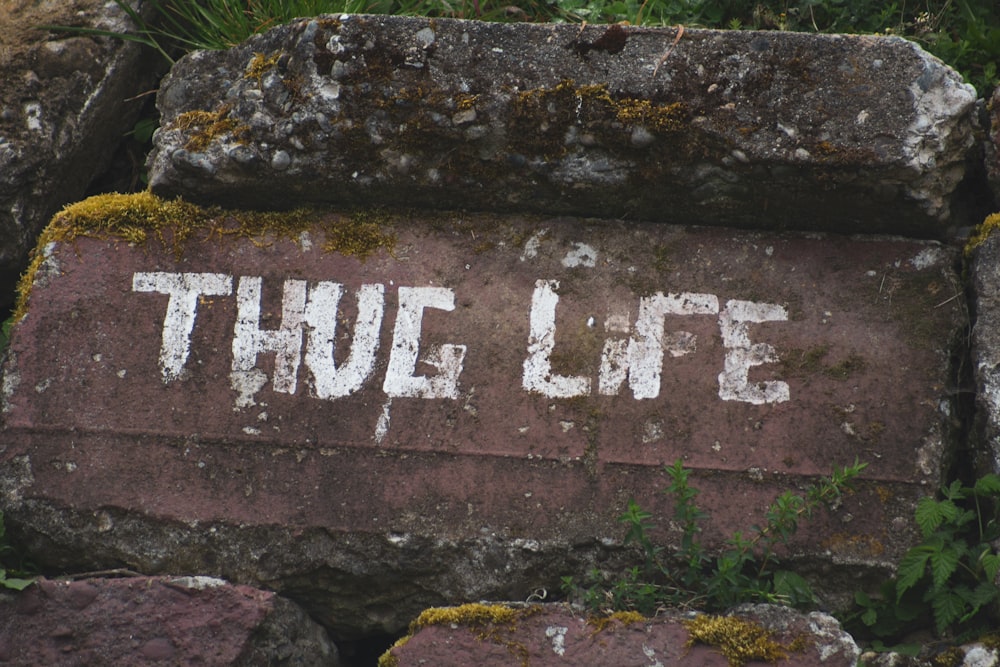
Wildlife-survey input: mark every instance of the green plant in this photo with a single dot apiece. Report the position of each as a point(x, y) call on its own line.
point(949, 579)
point(747, 570)
point(4, 343)
point(13, 578)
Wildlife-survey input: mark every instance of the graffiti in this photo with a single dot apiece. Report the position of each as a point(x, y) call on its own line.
point(632, 355)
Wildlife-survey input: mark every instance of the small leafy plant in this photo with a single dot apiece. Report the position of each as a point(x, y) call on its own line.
point(14, 579)
point(949, 580)
point(748, 569)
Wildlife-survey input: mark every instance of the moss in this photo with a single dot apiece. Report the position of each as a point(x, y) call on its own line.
point(206, 126)
point(625, 618)
point(739, 640)
point(359, 236)
point(982, 232)
point(951, 657)
point(490, 622)
point(541, 116)
point(799, 363)
point(260, 65)
point(135, 218)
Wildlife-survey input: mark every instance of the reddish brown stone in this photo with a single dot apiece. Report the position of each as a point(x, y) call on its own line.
point(555, 635)
point(481, 488)
point(153, 620)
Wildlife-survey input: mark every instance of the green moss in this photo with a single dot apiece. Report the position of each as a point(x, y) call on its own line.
point(138, 218)
point(739, 640)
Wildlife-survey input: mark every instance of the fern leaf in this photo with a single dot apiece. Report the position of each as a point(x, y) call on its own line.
point(930, 514)
point(944, 562)
point(988, 485)
point(991, 565)
point(948, 607)
point(911, 569)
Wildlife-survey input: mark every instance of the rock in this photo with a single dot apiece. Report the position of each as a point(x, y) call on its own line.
point(375, 414)
point(153, 620)
point(992, 152)
point(65, 102)
point(746, 129)
point(541, 636)
point(985, 273)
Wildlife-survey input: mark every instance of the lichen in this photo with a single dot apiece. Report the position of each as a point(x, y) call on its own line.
point(982, 232)
point(136, 218)
point(739, 639)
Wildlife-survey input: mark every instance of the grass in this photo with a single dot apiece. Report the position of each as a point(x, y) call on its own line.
point(963, 33)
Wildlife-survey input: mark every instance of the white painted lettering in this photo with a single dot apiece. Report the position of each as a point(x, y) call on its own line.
point(249, 340)
point(329, 380)
point(399, 376)
point(538, 376)
point(741, 354)
point(641, 358)
point(184, 290)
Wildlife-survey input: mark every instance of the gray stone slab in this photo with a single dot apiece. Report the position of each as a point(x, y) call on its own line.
point(746, 129)
point(465, 415)
point(985, 273)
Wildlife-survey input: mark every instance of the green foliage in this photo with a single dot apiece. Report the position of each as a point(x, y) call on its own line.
point(747, 570)
point(4, 343)
point(13, 578)
point(963, 33)
point(949, 580)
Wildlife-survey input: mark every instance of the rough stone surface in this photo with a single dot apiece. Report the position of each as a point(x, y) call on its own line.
point(157, 620)
point(511, 384)
point(64, 107)
point(992, 152)
point(985, 272)
point(746, 129)
point(551, 635)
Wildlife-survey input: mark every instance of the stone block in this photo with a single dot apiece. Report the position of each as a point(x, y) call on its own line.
point(546, 636)
point(992, 146)
point(985, 272)
point(854, 134)
point(388, 413)
point(157, 620)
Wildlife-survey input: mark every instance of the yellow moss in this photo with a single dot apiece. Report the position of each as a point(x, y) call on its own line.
point(625, 618)
point(664, 118)
point(133, 218)
point(259, 65)
point(465, 102)
point(982, 232)
point(491, 622)
point(951, 657)
point(739, 640)
point(474, 614)
point(627, 110)
point(205, 126)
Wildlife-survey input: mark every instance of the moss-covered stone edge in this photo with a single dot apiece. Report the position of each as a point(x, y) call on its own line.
point(137, 218)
